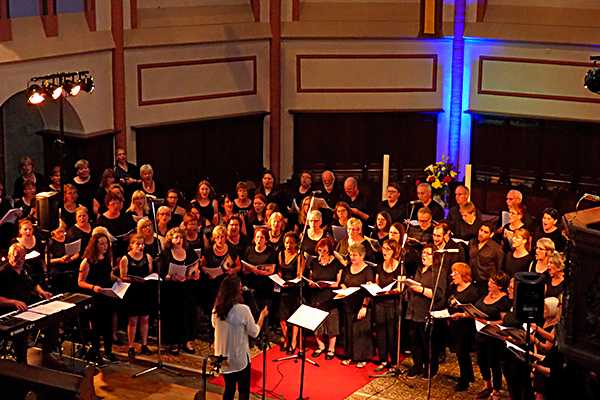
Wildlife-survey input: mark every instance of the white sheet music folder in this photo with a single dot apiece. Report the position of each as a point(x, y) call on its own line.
point(308, 317)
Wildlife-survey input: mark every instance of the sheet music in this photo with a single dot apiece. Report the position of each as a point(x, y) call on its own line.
point(505, 217)
point(177, 270)
point(408, 282)
point(346, 292)
point(11, 216)
point(372, 288)
point(52, 307)
point(339, 232)
point(456, 240)
point(479, 325)
point(32, 254)
point(277, 279)
point(152, 277)
point(213, 272)
point(30, 316)
point(73, 247)
point(120, 288)
point(440, 314)
point(308, 317)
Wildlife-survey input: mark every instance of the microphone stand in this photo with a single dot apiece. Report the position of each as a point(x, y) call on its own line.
point(159, 363)
point(429, 323)
point(301, 351)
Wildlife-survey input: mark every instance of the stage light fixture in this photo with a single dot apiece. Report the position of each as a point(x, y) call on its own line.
point(592, 78)
point(72, 88)
point(87, 84)
point(35, 94)
point(56, 91)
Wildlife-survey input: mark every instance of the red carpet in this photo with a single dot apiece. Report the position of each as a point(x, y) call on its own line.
point(329, 381)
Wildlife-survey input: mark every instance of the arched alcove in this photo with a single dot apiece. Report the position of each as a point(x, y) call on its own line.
point(19, 132)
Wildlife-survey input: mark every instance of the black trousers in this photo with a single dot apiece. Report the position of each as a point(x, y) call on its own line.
point(386, 326)
point(419, 339)
point(489, 355)
point(241, 379)
point(101, 319)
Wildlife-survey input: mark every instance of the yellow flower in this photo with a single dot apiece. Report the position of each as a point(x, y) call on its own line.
point(437, 184)
point(453, 174)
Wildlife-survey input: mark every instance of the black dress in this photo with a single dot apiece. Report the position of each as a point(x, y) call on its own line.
point(178, 303)
point(63, 277)
point(67, 217)
point(489, 349)
point(290, 296)
point(386, 316)
point(139, 299)
point(512, 265)
point(119, 227)
point(309, 245)
point(358, 342)
point(463, 331)
point(210, 286)
point(34, 261)
point(104, 306)
point(262, 285)
point(75, 233)
point(322, 298)
point(207, 212)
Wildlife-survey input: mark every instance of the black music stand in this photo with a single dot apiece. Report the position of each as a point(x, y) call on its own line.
point(309, 318)
point(429, 323)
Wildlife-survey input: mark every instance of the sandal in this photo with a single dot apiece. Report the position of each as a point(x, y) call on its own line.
point(361, 364)
point(330, 355)
point(381, 367)
point(347, 362)
point(317, 353)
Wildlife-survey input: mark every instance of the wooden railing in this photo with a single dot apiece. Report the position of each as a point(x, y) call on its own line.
point(5, 29)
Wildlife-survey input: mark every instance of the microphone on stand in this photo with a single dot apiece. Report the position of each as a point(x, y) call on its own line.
point(591, 197)
point(413, 202)
point(151, 197)
point(316, 192)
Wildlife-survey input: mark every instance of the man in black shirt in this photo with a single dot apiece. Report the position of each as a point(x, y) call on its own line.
point(461, 195)
point(392, 205)
point(17, 289)
point(358, 202)
point(424, 195)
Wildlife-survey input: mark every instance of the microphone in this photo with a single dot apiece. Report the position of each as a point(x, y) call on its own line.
point(404, 239)
point(151, 197)
point(247, 289)
point(448, 251)
point(317, 192)
point(413, 202)
point(591, 197)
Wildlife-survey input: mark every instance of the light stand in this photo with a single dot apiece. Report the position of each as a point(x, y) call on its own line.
point(301, 352)
point(159, 363)
point(429, 323)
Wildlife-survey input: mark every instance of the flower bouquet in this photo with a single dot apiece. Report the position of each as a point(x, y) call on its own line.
point(439, 176)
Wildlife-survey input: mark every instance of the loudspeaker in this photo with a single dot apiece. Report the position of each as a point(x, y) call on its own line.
point(47, 206)
point(529, 297)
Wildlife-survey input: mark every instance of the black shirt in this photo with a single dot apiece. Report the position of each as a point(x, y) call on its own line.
point(17, 286)
point(513, 265)
point(361, 202)
point(437, 211)
point(397, 212)
point(486, 261)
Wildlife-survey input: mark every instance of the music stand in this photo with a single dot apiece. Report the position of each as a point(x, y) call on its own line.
point(159, 363)
point(309, 318)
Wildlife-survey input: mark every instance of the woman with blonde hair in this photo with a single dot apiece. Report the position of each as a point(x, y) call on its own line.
point(138, 208)
point(519, 259)
point(556, 283)
point(544, 248)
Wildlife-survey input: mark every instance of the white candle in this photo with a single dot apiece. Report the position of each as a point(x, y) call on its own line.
point(468, 178)
point(386, 176)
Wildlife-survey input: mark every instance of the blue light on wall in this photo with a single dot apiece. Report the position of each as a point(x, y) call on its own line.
point(455, 135)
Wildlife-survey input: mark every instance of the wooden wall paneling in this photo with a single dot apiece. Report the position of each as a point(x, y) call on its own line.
point(49, 17)
point(222, 150)
point(5, 27)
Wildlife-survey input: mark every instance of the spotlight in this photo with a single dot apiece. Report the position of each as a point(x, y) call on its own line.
point(35, 94)
point(592, 80)
point(87, 84)
point(55, 90)
point(72, 88)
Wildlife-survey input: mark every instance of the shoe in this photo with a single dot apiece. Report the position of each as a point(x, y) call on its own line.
point(174, 350)
point(346, 362)
point(412, 372)
point(146, 351)
point(484, 394)
point(381, 367)
point(330, 355)
point(188, 348)
point(131, 354)
point(317, 353)
point(461, 386)
point(110, 357)
point(361, 364)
